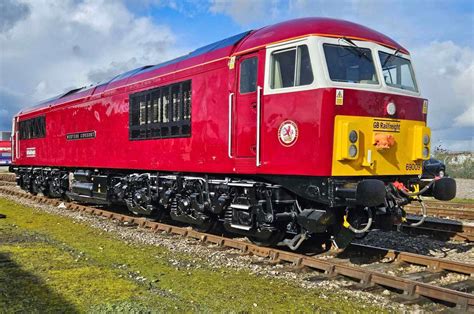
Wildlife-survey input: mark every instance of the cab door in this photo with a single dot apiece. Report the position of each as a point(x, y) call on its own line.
point(247, 107)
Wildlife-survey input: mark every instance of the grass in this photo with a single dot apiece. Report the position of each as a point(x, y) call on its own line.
point(463, 200)
point(454, 200)
point(50, 263)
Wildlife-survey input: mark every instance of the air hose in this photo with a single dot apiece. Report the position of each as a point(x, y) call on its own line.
point(423, 214)
point(423, 207)
point(423, 190)
point(346, 223)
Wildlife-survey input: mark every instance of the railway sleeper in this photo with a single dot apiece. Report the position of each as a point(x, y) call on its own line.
point(406, 290)
point(268, 212)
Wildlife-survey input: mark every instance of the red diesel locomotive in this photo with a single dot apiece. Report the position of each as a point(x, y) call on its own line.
point(309, 129)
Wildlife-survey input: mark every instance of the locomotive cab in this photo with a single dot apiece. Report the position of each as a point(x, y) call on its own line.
point(364, 92)
point(365, 95)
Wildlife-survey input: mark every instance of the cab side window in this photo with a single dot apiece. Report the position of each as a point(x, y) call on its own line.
point(291, 67)
point(248, 75)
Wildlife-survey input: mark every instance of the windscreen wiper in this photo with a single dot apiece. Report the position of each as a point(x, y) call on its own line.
point(349, 41)
point(390, 57)
point(354, 48)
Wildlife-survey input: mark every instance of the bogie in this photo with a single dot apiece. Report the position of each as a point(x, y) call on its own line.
point(267, 213)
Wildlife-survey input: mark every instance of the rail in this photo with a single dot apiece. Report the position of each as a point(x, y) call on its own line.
point(455, 210)
point(328, 267)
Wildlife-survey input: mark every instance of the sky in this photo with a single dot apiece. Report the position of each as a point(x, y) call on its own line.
point(49, 47)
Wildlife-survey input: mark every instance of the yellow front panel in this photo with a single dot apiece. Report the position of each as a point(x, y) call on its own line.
point(382, 147)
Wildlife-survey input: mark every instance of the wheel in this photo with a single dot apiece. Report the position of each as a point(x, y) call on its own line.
point(158, 214)
point(272, 240)
point(209, 225)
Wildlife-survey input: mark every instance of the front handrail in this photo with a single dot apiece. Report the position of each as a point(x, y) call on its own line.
point(259, 104)
point(229, 148)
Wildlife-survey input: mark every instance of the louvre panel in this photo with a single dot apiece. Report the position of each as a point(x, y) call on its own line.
point(162, 112)
point(33, 128)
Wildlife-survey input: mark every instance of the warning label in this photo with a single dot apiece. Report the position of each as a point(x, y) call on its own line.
point(231, 62)
point(339, 97)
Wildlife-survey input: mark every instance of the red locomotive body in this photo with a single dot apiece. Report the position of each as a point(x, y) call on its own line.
point(278, 133)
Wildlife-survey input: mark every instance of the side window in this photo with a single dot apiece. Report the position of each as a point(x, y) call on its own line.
point(305, 74)
point(33, 128)
point(291, 67)
point(283, 69)
point(248, 75)
point(162, 112)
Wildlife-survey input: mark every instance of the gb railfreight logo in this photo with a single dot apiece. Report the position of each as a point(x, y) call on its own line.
point(387, 125)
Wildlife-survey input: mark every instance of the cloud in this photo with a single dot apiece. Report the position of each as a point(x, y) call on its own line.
point(111, 70)
point(47, 47)
point(245, 11)
point(460, 145)
point(455, 139)
point(433, 19)
point(9, 101)
point(466, 118)
point(12, 12)
point(445, 72)
point(187, 8)
point(64, 44)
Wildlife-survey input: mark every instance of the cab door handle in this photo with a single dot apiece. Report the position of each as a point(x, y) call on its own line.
point(259, 105)
point(229, 143)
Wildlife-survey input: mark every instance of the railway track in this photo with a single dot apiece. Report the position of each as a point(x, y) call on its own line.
point(440, 229)
point(463, 211)
point(449, 204)
point(7, 177)
point(407, 287)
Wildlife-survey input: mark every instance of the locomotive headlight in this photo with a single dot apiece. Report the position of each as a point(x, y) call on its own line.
point(426, 152)
point(353, 136)
point(391, 108)
point(426, 139)
point(352, 151)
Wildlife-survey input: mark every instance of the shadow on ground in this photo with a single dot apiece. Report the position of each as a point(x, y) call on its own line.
point(23, 292)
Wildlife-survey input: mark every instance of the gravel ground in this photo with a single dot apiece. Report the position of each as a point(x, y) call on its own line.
point(260, 266)
point(465, 188)
point(457, 251)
